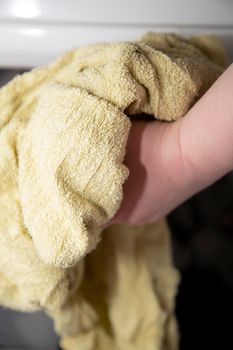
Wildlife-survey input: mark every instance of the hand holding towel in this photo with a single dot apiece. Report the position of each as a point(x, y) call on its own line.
point(63, 133)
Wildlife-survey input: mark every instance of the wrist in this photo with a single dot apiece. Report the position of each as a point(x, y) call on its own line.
point(206, 133)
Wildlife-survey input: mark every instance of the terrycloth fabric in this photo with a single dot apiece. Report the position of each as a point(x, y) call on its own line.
point(63, 134)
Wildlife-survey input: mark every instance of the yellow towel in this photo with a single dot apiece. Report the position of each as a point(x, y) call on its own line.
point(63, 133)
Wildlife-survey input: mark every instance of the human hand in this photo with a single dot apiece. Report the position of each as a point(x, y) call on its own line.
point(170, 162)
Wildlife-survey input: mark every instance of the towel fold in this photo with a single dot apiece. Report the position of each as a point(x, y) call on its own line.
point(63, 135)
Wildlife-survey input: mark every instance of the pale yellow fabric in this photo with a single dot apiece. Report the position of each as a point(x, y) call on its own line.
point(63, 133)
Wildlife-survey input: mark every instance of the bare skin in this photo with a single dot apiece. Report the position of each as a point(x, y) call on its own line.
point(170, 162)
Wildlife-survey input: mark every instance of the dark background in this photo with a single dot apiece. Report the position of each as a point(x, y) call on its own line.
point(202, 234)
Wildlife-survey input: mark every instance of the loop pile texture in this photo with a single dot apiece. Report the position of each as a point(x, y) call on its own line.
point(63, 135)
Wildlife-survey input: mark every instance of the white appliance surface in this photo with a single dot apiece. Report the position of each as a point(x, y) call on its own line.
point(33, 32)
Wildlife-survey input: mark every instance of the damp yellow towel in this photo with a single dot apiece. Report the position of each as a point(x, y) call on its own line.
point(63, 133)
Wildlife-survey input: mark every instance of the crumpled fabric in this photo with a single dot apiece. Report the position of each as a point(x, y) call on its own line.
point(63, 136)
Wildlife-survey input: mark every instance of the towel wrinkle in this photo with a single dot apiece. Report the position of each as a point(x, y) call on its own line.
point(63, 134)
point(22, 85)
